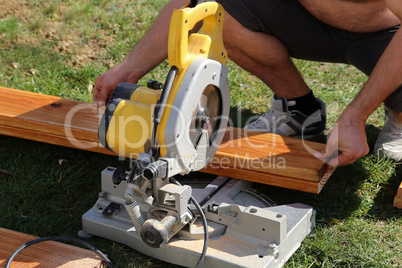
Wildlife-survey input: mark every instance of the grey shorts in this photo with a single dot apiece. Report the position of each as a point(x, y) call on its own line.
point(307, 38)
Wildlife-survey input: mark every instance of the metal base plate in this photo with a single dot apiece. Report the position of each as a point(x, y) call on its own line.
point(234, 229)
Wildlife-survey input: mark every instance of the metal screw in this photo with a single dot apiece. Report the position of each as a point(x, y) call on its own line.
point(102, 195)
point(272, 245)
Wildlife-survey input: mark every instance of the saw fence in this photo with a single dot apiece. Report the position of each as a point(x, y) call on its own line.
point(247, 155)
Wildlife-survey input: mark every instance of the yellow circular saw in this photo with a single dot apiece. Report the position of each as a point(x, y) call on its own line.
point(176, 128)
point(183, 123)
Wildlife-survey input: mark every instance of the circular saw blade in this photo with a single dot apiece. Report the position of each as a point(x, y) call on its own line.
point(206, 114)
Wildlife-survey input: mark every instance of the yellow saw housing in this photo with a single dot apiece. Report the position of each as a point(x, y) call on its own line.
point(199, 58)
point(126, 125)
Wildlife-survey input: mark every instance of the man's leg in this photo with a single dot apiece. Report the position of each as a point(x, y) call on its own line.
point(389, 141)
point(267, 58)
point(253, 41)
point(264, 56)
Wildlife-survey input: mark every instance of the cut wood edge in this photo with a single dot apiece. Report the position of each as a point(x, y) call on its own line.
point(398, 198)
point(270, 179)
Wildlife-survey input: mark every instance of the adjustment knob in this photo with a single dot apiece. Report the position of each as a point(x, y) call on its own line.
point(155, 232)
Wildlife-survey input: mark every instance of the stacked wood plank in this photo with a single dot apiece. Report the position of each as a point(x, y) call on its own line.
point(259, 157)
point(398, 198)
point(45, 254)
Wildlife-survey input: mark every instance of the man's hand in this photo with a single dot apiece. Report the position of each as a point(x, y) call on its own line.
point(346, 144)
point(149, 52)
point(106, 83)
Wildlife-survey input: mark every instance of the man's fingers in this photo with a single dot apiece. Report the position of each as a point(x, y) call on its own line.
point(320, 155)
point(343, 159)
point(99, 103)
point(101, 91)
point(333, 162)
point(329, 157)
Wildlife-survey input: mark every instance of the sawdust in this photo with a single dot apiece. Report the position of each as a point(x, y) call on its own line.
point(223, 247)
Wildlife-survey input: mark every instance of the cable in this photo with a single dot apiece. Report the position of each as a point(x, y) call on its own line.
point(59, 238)
point(204, 223)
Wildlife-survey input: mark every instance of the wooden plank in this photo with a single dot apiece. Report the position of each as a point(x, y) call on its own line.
point(44, 254)
point(92, 146)
point(398, 198)
point(269, 153)
point(249, 155)
point(50, 114)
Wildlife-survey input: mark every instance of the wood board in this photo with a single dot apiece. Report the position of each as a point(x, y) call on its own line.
point(45, 254)
point(260, 157)
point(398, 198)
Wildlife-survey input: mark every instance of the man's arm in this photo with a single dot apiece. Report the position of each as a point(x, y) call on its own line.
point(149, 52)
point(348, 140)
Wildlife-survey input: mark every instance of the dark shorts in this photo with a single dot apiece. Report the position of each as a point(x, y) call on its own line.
point(307, 38)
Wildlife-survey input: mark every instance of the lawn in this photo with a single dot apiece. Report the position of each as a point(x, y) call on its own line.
point(59, 47)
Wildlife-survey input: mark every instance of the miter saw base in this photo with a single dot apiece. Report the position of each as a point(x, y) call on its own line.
point(244, 229)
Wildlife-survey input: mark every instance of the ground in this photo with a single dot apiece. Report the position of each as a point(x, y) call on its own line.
point(65, 37)
point(59, 47)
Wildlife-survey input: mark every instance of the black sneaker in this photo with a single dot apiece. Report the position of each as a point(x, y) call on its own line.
point(280, 119)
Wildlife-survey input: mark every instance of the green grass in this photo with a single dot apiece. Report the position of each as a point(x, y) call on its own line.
point(47, 188)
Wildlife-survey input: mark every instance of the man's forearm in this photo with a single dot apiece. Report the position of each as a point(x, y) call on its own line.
point(385, 78)
point(348, 138)
point(151, 50)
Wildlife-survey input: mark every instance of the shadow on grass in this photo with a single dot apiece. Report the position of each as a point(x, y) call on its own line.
point(239, 117)
point(382, 207)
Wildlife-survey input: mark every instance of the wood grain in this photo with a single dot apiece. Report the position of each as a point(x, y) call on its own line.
point(266, 152)
point(45, 254)
point(248, 155)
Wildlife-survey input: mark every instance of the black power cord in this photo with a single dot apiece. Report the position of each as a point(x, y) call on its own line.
point(204, 223)
point(59, 238)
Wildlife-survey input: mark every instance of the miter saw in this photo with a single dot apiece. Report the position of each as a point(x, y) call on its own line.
point(173, 129)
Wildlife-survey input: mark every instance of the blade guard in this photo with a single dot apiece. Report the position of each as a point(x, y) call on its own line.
point(182, 154)
point(183, 51)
